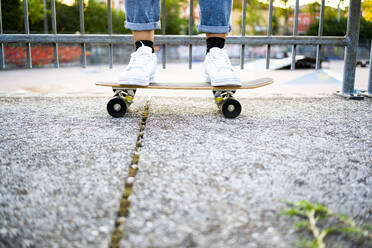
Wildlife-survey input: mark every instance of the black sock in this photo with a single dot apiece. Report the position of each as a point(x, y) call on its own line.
point(148, 43)
point(215, 42)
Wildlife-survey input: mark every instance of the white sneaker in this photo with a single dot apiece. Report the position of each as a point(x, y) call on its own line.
point(141, 68)
point(218, 68)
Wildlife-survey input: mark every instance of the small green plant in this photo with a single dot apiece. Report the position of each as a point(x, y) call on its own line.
point(320, 221)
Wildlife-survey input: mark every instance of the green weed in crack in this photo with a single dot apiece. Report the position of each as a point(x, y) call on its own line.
point(318, 221)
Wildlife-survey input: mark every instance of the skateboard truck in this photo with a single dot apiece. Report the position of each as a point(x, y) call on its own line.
point(229, 106)
point(118, 105)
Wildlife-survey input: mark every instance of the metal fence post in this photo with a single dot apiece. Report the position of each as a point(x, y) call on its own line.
point(370, 72)
point(82, 31)
point(269, 33)
point(369, 91)
point(45, 17)
point(54, 28)
point(109, 27)
point(320, 33)
point(163, 31)
point(352, 39)
point(295, 33)
point(191, 25)
point(27, 31)
point(244, 9)
point(2, 61)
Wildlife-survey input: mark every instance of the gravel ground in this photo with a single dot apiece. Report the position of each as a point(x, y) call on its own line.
point(203, 181)
point(62, 169)
point(206, 181)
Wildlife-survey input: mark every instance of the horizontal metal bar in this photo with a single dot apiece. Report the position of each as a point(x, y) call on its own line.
point(174, 39)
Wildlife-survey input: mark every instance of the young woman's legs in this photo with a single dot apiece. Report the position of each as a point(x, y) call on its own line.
point(215, 16)
point(142, 17)
point(215, 22)
point(142, 14)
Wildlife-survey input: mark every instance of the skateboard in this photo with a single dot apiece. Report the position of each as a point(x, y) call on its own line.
point(223, 95)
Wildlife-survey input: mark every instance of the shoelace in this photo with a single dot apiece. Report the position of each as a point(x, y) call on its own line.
point(138, 60)
point(221, 60)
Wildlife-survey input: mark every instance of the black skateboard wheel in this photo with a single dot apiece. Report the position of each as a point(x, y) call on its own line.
point(231, 108)
point(117, 107)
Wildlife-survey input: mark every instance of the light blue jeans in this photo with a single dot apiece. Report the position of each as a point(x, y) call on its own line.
point(145, 15)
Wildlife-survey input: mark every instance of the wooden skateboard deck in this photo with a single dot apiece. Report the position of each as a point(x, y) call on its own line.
point(252, 84)
point(223, 95)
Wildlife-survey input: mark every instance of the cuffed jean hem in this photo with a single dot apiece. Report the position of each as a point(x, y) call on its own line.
point(142, 26)
point(213, 29)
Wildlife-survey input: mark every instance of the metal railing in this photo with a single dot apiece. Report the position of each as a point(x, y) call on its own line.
point(350, 41)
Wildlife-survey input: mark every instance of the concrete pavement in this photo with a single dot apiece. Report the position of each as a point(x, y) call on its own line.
point(203, 181)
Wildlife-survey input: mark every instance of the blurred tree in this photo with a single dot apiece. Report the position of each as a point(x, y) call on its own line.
point(367, 10)
point(67, 17)
point(332, 27)
point(312, 9)
point(35, 11)
point(365, 29)
point(95, 14)
point(285, 13)
point(339, 9)
point(174, 23)
point(12, 16)
point(275, 23)
point(254, 18)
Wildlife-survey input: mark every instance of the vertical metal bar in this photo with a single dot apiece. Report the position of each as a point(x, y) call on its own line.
point(2, 60)
point(109, 24)
point(269, 33)
point(293, 64)
point(82, 31)
point(352, 38)
point(163, 29)
point(244, 10)
point(54, 28)
point(191, 25)
point(370, 71)
point(27, 31)
point(45, 17)
point(320, 33)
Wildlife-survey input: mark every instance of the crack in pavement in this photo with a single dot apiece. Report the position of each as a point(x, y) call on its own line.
point(124, 207)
